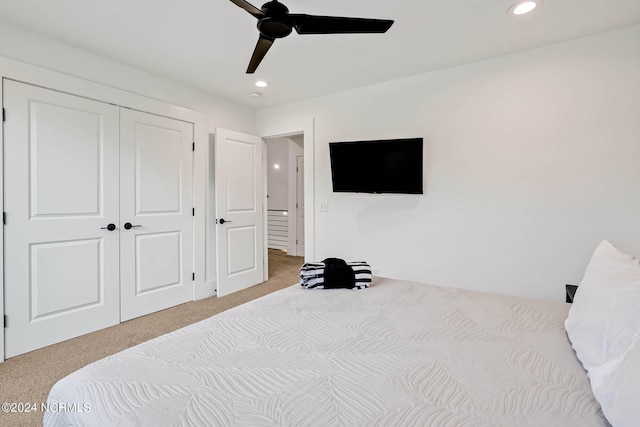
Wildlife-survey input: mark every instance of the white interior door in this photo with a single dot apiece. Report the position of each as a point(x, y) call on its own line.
point(156, 247)
point(239, 210)
point(300, 205)
point(61, 191)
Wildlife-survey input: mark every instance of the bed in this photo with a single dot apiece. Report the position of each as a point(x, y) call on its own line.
point(398, 353)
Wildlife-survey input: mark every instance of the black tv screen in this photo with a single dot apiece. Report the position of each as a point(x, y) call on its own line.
point(380, 166)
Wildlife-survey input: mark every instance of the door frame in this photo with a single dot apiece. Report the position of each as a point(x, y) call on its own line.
point(306, 128)
point(31, 74)
point(299, 159)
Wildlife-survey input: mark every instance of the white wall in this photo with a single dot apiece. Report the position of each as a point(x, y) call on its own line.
point(530, 160)
point(37, 50)
point(278, 179)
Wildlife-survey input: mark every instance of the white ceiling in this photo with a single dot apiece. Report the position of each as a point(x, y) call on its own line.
point(206, 44)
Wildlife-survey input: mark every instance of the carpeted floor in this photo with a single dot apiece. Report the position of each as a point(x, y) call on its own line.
point(29, 377)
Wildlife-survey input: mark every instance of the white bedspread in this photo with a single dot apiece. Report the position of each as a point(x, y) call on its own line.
point(396, 354)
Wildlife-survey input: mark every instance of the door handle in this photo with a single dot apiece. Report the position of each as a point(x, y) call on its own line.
point(109, 227)
point(222, 221)
point(129, 226)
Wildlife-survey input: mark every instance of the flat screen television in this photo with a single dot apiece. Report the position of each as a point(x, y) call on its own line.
point(379, 166)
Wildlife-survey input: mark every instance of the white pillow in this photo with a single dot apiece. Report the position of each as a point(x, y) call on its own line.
point(604, 328)
point(618, 396)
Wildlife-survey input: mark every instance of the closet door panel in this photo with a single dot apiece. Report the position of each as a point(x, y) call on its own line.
point(156, 253)
point(61, 189)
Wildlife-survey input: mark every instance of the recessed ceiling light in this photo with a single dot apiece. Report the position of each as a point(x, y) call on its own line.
point(255, 94)
point(262, 83)
point(523, 6)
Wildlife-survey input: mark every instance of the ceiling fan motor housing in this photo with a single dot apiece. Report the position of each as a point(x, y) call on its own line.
point(276, 23)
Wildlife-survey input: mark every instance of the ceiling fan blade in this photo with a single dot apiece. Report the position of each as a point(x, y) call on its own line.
point(262, 47)
point(249, 8)
point(314, 24)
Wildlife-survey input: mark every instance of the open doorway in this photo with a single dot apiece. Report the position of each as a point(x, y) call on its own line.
point(285, 199)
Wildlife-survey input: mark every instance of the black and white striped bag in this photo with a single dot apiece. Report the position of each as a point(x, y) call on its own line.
point(335, 273)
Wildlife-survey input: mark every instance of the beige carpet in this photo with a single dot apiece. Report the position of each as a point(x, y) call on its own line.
point(29, 377)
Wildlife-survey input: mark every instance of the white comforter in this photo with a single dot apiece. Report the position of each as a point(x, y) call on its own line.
point(395, 354)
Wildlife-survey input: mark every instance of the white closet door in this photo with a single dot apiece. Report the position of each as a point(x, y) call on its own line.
point(239, 210)
point(61, 264)
point(156, 253)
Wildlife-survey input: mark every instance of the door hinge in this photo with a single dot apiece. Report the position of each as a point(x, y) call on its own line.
point(4, 218)
point(193, 147)
point(193, 276)
point(5, 321)
point(193, 211)
point(4, 117)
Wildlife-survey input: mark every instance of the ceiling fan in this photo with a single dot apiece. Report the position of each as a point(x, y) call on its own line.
point(275, 21)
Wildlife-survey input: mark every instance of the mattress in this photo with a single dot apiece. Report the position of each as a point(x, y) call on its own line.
point(396, 354)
